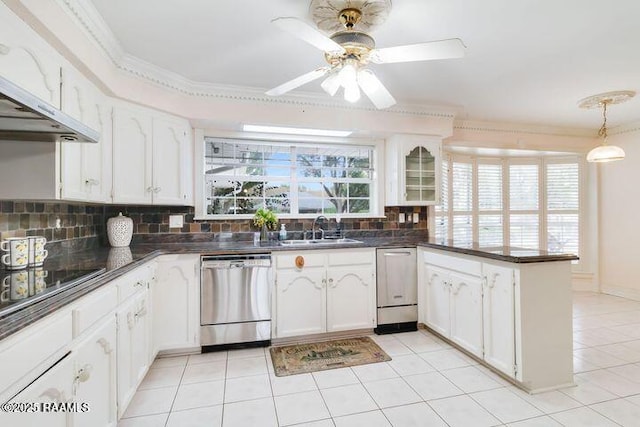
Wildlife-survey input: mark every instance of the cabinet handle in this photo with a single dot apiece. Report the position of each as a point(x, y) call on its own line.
point(138, 283)
point(456, 289)
point(331, 283)
point(82, 376)
point(157, 189)
point(433, 276)
point(149, 189)
point(92, 182)
point(140, 313)
point(493, 280)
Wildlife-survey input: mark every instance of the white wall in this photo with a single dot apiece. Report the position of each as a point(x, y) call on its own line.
point(619, 210)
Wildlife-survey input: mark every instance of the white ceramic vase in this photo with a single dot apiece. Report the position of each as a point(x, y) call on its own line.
point(119, 230)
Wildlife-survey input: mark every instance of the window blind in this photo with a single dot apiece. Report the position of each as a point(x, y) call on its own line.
point(563, 201)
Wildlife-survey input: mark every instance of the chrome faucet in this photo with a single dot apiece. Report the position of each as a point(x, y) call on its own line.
point(313, 228)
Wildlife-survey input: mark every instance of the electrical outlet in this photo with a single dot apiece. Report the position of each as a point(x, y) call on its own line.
point(416, 218)
point(401, 219)
point(176, 221)
point(408, 217)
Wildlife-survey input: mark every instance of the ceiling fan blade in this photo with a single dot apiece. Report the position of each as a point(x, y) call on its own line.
point(442, 49)
point(307, 33)
point(375, 90)
point(298, 81)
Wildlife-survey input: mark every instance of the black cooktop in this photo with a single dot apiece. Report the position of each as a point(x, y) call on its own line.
point(20, 288)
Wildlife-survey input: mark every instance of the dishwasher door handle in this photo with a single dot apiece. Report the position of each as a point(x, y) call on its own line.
point(397, 253)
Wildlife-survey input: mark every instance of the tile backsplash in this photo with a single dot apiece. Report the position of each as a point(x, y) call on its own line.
point(76, 225)
point(149, 221)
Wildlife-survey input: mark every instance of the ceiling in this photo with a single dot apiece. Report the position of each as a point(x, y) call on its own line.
point(527, 61)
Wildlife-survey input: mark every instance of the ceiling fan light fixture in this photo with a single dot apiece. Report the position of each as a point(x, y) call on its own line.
point(331, 84)
point(352, 93)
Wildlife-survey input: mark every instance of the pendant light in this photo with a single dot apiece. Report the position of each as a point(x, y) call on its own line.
point(604, 152)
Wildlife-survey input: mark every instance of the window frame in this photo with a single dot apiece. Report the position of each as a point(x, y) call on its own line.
point(377, 171)
point(543, 212)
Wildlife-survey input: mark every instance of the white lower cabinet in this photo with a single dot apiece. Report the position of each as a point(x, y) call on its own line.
point(54, 387)
point(454, 306)
point(94, 380)
point(176, 296)
point(325, 291)
point(300, 302)
point(515, 316)
point(134, 346)
point(499, 317)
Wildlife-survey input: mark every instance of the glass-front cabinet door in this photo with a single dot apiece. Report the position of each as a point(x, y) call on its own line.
point(420, 176)
point(412, 170)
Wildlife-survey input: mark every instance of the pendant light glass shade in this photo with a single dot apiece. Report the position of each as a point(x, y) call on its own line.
point(605, 153)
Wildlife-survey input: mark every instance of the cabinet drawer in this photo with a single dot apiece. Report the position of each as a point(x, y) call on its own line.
point(351, 257)
point(287, 260)
point(93, 308)
point(453, 262)
point(27, 349)
point(132, 282)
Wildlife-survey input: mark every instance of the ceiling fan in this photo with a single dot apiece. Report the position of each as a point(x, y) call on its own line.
point(348, 50)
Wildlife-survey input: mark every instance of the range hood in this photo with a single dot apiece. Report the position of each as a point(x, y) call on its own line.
point(24, 117)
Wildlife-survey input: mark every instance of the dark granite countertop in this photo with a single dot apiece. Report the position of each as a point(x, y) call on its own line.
point(501, 253)
point(118, 261)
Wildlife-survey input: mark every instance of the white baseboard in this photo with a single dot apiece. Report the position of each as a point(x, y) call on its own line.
point(583, 282)
point(629, 293)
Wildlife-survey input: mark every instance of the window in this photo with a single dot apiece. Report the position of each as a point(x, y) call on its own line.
point(289, 178)
point(528, 203)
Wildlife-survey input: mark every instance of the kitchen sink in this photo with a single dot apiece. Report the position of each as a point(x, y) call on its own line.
point(318, 242)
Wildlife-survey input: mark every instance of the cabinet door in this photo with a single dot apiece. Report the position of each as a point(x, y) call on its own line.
point(351, 298)
point(95, 376)
point(53, 387)
point(26, 60)
point(176, 295)
point(133, 347)
point(499, 322)
point(132, 178)
point(466, 311)
point(170, 149)
point(420, 175)
point(301, 302)
point(85, 168)
point(438, 289)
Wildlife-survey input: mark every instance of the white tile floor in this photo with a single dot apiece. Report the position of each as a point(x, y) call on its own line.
point(427, 383)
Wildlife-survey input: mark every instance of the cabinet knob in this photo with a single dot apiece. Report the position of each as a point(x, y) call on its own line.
point(300, 261)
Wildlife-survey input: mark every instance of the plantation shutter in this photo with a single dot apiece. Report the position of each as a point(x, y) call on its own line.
point(524, 219)
point(462, 201)
point(442, 210)
point(490, 215)
point(563, 202)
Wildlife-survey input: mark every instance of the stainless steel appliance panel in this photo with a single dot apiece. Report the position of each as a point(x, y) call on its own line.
point(235, 299)
point(397, 277)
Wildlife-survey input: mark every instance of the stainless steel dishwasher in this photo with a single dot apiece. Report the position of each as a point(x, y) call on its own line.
point(235, 302)
point(397, 290)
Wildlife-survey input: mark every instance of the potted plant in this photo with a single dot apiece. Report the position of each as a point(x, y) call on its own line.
point(265, 220)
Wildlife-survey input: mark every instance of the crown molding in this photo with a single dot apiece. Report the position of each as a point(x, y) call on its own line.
point(86, 16)
point(626, 128)
point(519, 128)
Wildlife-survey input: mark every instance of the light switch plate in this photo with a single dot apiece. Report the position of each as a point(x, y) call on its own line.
point(176, 221)
point(408, 217)
point(401, 219)
point(416, 218)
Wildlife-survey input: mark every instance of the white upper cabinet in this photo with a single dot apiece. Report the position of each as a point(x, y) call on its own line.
point(413, 164)
point(132, 177)
point(26, 60)
point(86, 167)
point(171, 158)
point(151, 158)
